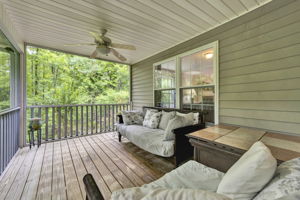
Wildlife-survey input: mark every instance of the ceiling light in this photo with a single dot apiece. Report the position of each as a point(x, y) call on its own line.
point(208, 55)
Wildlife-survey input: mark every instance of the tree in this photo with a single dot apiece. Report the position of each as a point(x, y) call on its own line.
point(55, 78)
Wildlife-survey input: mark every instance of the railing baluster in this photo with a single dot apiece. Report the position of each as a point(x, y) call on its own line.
point(71, 121)
point(113, 117)
point(59, 122)
point(47, 123)
point(81, 108)
point(101, 115)
point(92, 120)
point(66, 122)
point(109, 110)
point(53, 123)
point(87, 120)
point(96, 107)
point(77, 121)
point(105, 118)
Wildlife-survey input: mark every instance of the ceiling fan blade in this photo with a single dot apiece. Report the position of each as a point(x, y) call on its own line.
point(123, 46)
point(94, 54)
point(80, 44)
point(118, 55)
point(97, 37)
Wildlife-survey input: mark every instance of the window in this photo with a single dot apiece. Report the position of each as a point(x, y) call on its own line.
point(194, 80)
point(165, 84)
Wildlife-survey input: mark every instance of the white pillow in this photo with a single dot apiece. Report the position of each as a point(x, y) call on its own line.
point(152, 118)
point(165, 118)
point(132, 117)
point(176, 122)
point(285, 183)
point(249, 174)
point(188, 116)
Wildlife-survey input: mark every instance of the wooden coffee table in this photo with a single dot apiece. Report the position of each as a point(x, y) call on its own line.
point(221, 146)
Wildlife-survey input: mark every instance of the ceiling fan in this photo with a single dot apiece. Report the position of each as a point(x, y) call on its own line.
point(105, 46)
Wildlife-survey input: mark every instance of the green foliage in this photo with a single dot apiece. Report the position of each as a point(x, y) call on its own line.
point(55, 78)
point(4, 80)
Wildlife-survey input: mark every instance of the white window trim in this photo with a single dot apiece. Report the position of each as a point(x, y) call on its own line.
point(215, 46)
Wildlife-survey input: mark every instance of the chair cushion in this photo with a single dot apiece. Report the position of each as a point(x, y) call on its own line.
point(191, 175)
point(249, 174)
point(285, 182)
point(132, 117)
point(166, 194)
point(165, 118)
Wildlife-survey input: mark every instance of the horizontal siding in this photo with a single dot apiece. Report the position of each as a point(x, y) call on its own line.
point(259, 56)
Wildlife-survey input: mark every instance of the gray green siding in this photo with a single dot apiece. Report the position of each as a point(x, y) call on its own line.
point(259, 68)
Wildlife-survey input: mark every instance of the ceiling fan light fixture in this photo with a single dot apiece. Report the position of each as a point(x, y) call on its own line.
point(103, 50)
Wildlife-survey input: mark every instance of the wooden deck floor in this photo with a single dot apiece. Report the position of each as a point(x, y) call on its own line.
point(55, 170)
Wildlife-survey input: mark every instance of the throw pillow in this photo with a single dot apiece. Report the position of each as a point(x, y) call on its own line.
point(132, 117)
point(249, 174)
point(152, 118)
point(285, 182)
point(176, 122)
point(193, 118)
point(165, 118)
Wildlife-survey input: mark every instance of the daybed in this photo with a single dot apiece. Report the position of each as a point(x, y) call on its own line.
point(152, 139)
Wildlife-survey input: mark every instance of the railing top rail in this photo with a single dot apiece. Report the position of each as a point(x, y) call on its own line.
point(9, 110)
point(74, 105)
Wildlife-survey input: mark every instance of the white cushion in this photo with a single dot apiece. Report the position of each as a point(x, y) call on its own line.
point(132, 117)
point(285, 183)
point(176, 122)
point(141, 193)
point(152, 118)
point(191, 175)
point(165, 118)
point(193, 118)
point(249, 174)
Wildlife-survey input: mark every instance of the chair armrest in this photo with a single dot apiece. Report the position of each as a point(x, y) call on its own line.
point(188, 129)
point(91, 188)
point(120, 119)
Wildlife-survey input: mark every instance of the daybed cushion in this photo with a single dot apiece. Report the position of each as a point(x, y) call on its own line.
point(132, 117)
point(165, 118)
point(249, 174)
point(167, 194)
point(190, 177)
point(176, 122)
point(152, 118)
point(285, 182)
point(150, 140)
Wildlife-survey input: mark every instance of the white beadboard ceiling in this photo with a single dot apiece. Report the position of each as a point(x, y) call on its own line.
point(151, 25)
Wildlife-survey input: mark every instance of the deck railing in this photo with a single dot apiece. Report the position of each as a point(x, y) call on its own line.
point(67, 121)
point(9, 136)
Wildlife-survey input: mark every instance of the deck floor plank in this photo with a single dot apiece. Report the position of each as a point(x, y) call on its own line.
point(58, 178)
point(30, 189)
point(55, 170)
point(108, 177)
point(45, 183)
point(91, 168)
point(9, 177)
point(22, 176)
point(72, 183)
